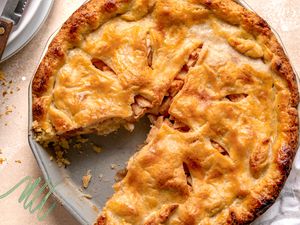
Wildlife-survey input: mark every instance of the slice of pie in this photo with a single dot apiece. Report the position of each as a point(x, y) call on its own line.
point(216, 85)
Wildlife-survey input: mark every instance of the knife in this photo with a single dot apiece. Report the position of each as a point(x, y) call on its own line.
point(10, 17)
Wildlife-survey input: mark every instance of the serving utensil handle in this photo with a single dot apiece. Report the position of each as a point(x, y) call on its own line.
point(5, 29)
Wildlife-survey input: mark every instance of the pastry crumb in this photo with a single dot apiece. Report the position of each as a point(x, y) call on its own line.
point(96, 148)
point(2, 160)
point(77, 146)
point(51, 158)
point(113, 166)
point(64, 144)
point(81, 139)
point(60, 150)
point(87, 196)
point(129, 126)
point(86, 179)
point(8, 110)
point(95, 208)
point(6, 88)
point(61, 161)
point(18, 161)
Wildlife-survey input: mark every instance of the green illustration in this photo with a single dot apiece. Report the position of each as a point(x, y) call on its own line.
point(27, 192)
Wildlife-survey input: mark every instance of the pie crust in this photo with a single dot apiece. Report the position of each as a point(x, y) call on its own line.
point(214, 81)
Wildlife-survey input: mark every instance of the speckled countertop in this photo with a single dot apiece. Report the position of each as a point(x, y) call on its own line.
point(282, 15)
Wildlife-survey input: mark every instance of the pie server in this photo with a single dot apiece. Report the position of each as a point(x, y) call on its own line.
point(11, 15)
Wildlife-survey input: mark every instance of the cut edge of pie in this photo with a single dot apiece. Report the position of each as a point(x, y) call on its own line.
point(89, 18)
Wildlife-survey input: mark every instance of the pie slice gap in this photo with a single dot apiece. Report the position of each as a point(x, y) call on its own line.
point(216, 85)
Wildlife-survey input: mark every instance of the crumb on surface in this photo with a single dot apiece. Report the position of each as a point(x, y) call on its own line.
point(60, 149)
point(113, 166)
point(64, 144)
point(87, 196)
point(80, 139)
point(60, 159)
point(77, 146)
point(129, 126)
point(6, 88)
point(8, 110)
point(2, 160)
point(18, 161)
point(95, 208)
point(86, 179)
point(96, 148)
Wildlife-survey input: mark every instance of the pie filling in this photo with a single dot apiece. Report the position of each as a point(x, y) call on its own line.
point(211, 95)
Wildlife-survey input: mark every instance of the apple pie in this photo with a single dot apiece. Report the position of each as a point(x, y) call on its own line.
point(214, 81)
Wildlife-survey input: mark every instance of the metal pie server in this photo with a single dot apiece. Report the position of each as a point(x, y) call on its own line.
point(11, 15)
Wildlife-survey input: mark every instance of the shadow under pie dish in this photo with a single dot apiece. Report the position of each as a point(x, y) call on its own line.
point(216, 85)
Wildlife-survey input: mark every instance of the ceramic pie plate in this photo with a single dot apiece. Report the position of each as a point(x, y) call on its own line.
point(117, 149)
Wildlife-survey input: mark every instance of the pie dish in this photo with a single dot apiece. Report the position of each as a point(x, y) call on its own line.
point(216, 85)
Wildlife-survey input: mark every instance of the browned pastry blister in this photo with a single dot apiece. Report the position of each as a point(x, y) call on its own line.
point(217, 86)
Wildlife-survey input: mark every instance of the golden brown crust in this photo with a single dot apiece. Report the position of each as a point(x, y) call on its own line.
point(233, 13)
point(84, 20)
point(254, 24)
point(262, 44)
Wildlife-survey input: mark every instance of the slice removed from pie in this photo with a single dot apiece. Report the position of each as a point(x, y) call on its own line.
point(216, 84)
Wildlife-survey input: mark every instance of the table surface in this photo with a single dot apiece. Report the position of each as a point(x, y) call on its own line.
point(282, 15)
